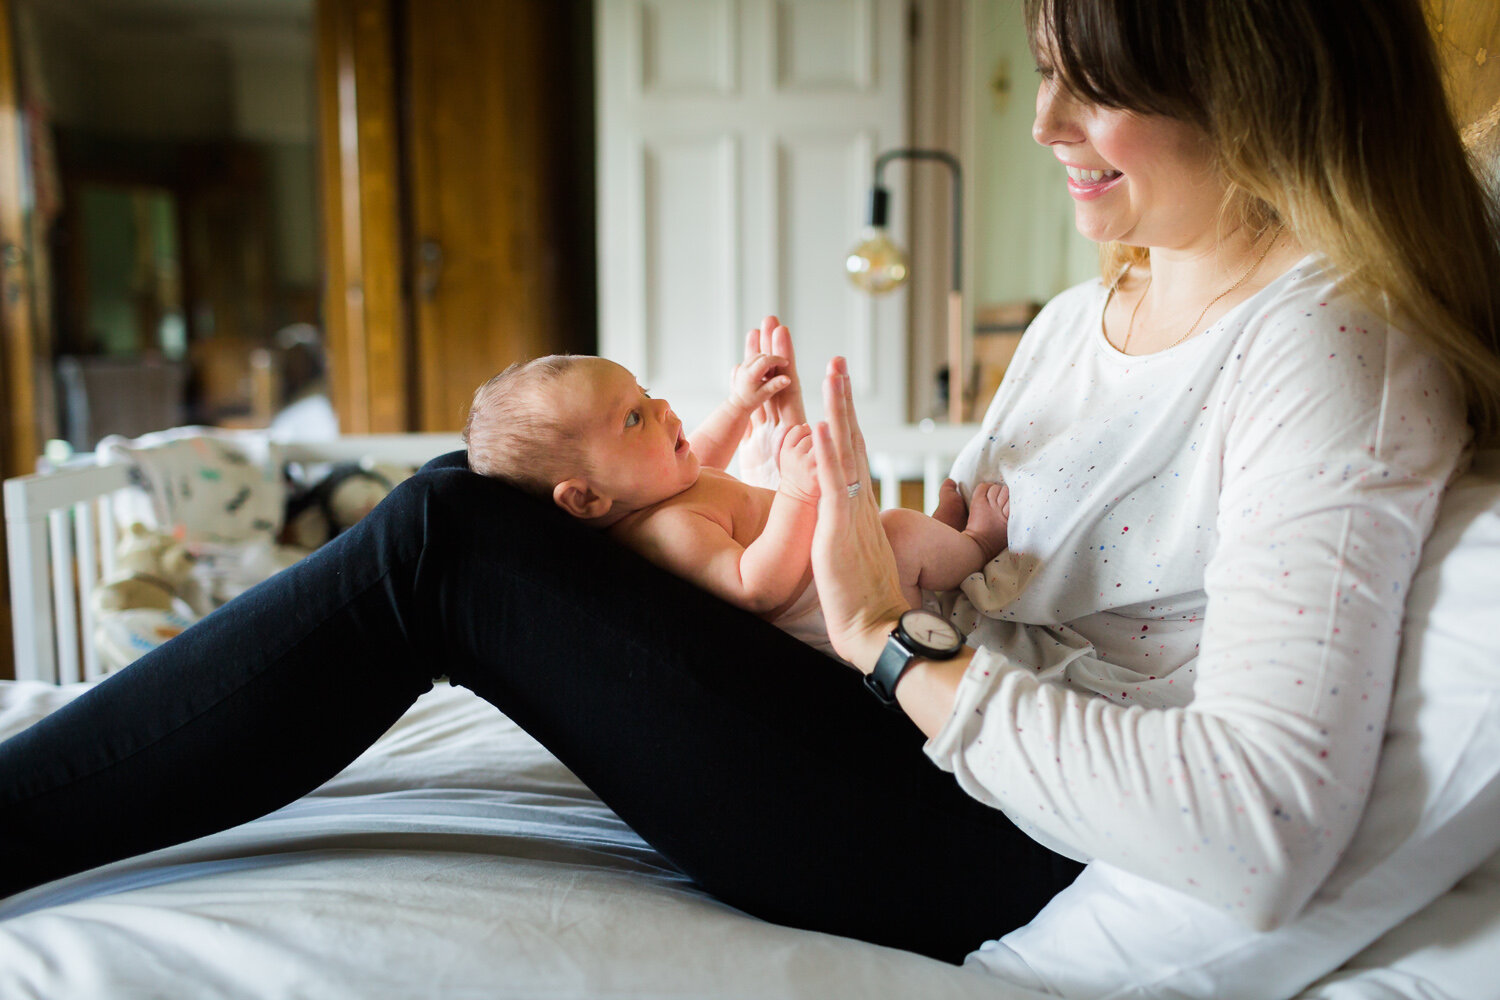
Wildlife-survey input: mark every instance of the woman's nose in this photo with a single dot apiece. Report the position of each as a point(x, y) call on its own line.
point(1056, 119)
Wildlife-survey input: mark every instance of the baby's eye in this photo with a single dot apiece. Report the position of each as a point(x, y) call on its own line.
point(632, 418)
point(646, 393)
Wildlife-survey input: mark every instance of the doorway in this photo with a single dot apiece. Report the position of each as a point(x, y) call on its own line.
point(170, 153)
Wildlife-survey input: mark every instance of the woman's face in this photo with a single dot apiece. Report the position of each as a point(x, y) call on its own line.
point(1145, 180)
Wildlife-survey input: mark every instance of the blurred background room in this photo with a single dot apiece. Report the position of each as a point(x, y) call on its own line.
point(349, 213)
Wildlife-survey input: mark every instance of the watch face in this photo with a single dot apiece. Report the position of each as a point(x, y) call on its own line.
point(935, 633)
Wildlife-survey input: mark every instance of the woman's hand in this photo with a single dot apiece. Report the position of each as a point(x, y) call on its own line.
point(770, 421)
point(852, 561)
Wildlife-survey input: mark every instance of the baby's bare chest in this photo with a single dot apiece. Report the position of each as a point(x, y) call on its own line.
point(740, 508)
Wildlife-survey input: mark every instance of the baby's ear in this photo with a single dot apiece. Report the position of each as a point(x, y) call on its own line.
point(575, 497)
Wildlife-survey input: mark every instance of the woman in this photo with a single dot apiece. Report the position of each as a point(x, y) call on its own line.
point(1223, 458)
point(761, 767)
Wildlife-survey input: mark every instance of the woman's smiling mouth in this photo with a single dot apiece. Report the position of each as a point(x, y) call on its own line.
point(1084, 183)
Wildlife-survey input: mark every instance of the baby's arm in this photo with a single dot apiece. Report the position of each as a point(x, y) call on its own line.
point(759, 577)
point(751, 384)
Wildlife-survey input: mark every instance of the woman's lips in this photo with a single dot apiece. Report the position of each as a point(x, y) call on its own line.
point(1085, 184)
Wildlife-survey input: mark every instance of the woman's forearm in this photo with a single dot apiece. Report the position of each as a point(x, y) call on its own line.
point(927, 689)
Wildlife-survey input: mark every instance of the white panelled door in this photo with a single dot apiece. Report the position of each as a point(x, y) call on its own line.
point(736, 144)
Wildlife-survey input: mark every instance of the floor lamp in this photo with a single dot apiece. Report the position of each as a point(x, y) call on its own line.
point(878, 265)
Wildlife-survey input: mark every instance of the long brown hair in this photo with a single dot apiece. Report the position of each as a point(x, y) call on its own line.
point(1328, 116)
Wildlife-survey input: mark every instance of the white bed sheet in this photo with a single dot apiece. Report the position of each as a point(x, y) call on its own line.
point(457, 858)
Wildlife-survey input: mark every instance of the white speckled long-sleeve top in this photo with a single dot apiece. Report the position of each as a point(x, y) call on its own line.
point(1186, 654)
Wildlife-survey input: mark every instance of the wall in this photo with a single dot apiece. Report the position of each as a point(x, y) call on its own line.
point(1024, 243)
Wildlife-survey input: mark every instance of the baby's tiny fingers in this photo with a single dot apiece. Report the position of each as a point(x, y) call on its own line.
point(761, 364)
point(765, 390)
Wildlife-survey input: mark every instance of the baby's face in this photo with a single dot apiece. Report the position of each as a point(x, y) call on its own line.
point(636, 446)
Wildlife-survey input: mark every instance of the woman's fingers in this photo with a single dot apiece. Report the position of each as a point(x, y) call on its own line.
point(856, 436)
point(858, 584)
point(838, 406)
point(781, 343)
point(841, 458)
point(833, 487)
point(766, 334)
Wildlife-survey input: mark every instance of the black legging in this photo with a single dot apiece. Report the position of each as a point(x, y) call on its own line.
point(757, 765)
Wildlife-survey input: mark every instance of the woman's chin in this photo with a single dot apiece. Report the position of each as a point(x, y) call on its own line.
point(1094, 229)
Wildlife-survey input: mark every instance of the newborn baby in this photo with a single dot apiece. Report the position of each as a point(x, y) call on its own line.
point(581, 432)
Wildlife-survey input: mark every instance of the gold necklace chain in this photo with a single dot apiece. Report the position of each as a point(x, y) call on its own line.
point(1130, 325)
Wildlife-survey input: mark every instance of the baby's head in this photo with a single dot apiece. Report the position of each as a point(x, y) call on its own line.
point(518, 431)
point(581, 432)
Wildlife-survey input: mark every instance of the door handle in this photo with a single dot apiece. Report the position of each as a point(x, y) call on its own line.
point(429, 268)
point(13, 268)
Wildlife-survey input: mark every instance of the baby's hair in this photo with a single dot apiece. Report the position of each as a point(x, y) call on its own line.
point(514, 434)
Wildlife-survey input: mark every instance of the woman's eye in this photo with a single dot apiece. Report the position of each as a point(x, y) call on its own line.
point(632, 418)
point(1045, 72)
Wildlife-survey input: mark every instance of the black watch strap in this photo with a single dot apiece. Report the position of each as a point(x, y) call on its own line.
point(919, 634)
point(893, 663)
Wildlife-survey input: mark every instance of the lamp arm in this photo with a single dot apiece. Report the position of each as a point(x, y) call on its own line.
point(951, 162)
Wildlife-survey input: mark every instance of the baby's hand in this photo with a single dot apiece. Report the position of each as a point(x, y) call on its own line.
point(799, 470)
point(757, 379)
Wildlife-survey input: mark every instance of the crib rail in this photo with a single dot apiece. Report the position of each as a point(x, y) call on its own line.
point(61, 534)
point(60, 538)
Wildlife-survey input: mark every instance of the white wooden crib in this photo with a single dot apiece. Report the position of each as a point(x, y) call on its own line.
point(61, 535)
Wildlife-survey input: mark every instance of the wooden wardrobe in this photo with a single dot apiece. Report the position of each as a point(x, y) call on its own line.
point(457, 180)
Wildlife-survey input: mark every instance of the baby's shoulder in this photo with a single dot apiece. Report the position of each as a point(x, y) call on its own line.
point(709, 498)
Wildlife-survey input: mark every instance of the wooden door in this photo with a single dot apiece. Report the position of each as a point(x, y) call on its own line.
point(364, 305)
point(19, 433)
point(458, 201)
point(497, 125)
point(20, 440)
point(1468, 41)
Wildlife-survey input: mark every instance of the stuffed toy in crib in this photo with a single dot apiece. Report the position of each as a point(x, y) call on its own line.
point(219, 501)
point(350, 490)
point(143, 603)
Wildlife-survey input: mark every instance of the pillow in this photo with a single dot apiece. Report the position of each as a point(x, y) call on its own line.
point(206, 487)
point(218, 492)
point(1446, 952)
point(1433, 815)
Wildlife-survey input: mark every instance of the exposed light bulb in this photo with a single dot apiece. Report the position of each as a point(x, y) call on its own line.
point(876, 265)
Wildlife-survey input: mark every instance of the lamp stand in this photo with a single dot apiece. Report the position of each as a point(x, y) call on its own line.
point(957, 374)
point(957, 383)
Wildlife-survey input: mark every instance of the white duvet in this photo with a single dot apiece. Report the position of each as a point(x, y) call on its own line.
point(457, 858)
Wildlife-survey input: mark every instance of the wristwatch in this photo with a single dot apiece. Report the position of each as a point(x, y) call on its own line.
point(918, 635)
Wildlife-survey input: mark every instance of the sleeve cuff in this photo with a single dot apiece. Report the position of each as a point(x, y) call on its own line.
point(985, 671)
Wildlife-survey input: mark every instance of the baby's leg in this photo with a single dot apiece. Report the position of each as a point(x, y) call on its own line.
point(930, 555)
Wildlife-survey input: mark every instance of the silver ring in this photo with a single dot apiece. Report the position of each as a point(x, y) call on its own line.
point(853, 489)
